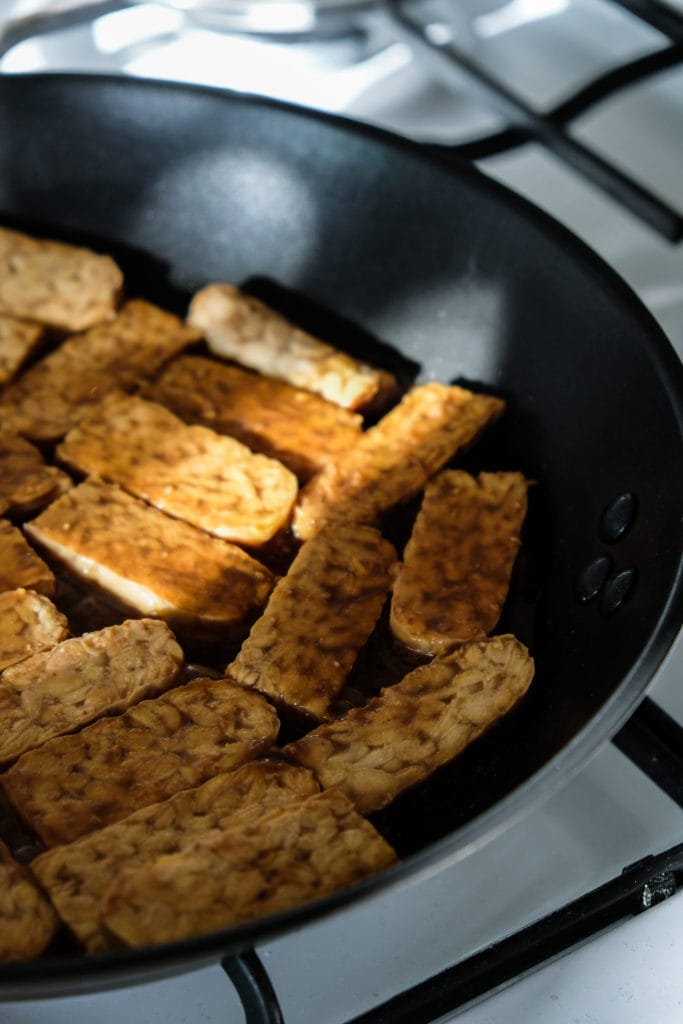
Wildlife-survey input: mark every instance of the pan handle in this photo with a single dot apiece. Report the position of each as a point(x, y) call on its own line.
point(60, 16)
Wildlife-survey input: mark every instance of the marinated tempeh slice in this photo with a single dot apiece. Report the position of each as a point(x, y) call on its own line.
point(20, 566)
point(29, 623)
point(301, 650)
point(152, 563)
point(77, 876)
point(394, 459)
point(190, 472)
point(454, 578)
point(240, 327)
point(402, 736)
point(80, 679)
point(27, 920)
point(297, 854)
point(64, 286)
point(18, 340)
point(51, 396)
point(299, 428)
point(27, 483)
point(75, 784)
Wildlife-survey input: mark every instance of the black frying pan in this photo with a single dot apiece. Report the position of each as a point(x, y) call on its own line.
point(436, 272)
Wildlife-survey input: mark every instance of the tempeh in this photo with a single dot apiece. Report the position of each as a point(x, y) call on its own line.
point(374, 753)
point(75, 784)
point(301, 429)
point(63, 286)
point(393, 460)
point(27, 920)
point(77, 876)
point(99, 673)
point(50, 397)
point(319, 615)
point(241, 327)
point(27, 483)
point(18, 340)
point(20, 566)
point(29, 623)
point(454, 578)
point(297, 854)
point(190, 472)
point(154, 564)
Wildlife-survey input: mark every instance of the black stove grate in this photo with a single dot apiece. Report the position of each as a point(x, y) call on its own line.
point(552, 128)
point(654, 742)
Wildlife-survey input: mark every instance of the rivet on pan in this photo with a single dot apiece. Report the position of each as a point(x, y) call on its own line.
point(617, 518)
point(617, 588)
point(592, 577)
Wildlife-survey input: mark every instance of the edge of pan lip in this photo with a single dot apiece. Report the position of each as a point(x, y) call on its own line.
point(67, 975)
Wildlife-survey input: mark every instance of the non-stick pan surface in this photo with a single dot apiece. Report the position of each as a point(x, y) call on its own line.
point(439, 273)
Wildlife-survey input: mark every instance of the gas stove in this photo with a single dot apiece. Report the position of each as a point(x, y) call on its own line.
point(577, 105)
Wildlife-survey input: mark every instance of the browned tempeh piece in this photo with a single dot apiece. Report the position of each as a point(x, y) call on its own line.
point(27, 920)
point(64, 286)
point(295, 855)
point(75, 784)
point(454, 578)
point(241, 327)
point(27, 483)
point(301, 429)
point(18, 340)
point(319, 615)
point(394, 459)
point(20, 566)
point(51, 396)
point(190, 472)
point(402, 736)
point(80, 679)
point(29, 623)
point(157, 565)
point(77, 876)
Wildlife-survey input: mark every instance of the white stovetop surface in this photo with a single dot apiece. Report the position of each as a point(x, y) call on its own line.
point(610, 815)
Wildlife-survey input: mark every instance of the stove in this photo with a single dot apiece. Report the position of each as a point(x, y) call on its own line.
point(571, 915)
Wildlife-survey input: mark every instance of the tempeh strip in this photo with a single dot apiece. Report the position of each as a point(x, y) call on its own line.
point(29, 623)
point(394, 459)
point(51, 396)
point(157, 565)
point(190, 472)
point(402, 736)
point(298, 854)
point(75, 784)
point(18, 340)
point(20, 566)
point(27, 921)
point(301, 650)
point(299, 428)
point(99, 673)
point(27, 484)
point(77, 876)
point(63, 286)
point(454, 578)
point(240, 327)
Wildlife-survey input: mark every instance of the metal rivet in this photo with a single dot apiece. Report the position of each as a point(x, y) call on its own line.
point(590, 580)
point(617, 589)
point(617, 518)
